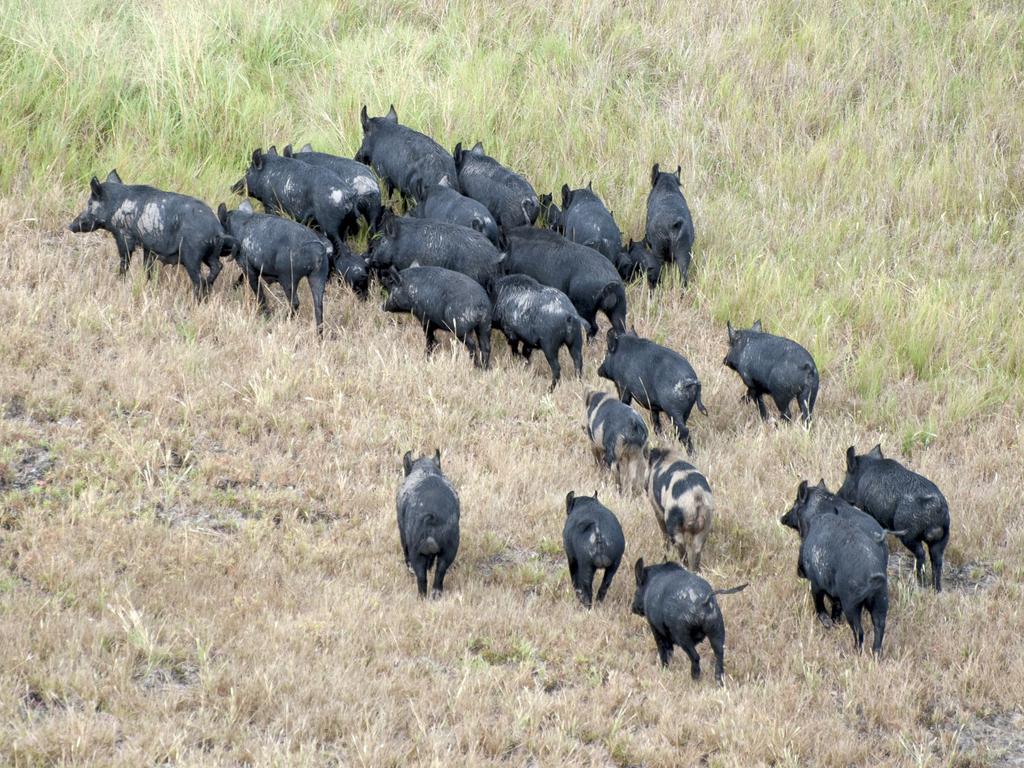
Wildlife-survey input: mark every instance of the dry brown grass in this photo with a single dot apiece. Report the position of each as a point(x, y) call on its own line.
point(204, 567)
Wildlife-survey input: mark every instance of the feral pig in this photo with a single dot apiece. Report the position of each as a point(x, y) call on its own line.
point(681, 609)
point(637, 259)
point(900, 500)
point(360, 183)
point(669, 226)
point(593, 540)
point(354, 269)
point(171, 228)
point(277, 250)
point(442, 203)
point(683, 505)
point(586, 277)
point(507, 195)
point(819, 500)
point(550, 213)
point(443, 300)
point(306, 193)
point(773, 365)
point(618, 438)
point(538, 317)
point(407, 160)
point(405, 241)
point(428, 520)
point(656, 377)
point(586, 221)
point(844, 561)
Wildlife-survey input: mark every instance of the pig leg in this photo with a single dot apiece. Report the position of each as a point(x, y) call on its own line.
point(430, 329)
point(483, 340)
point(694, 547)
point(803, 401)
point(655, 418)
point(466, 338)
point(837, 609)
point(585, 583)
point(664, 643)
point(419, 567)
point(717, 641)
point(758, 399)
point(606, 581)
point(684, 435)
point(552, 357)
point(879, 611)
point(125, 247)
point(818, 595)
point(917, 548)
point(198, 284)
point(316, 289)
point(257, 288)
point(682, 260)
point(935, 553)
point(149, 261)
point(853, 618)
point(576, 352)
point(691, 650)
point(782, 403)
point(291, 293)
point(213, 265)
point(443, 561)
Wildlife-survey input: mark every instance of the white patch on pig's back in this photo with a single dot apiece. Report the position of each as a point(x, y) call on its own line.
point(124, 214)
point(150, 220)
point(364, 186)
point(337, 196)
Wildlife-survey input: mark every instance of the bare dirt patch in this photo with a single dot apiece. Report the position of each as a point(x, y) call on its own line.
point(966, 577)
point(996, 741)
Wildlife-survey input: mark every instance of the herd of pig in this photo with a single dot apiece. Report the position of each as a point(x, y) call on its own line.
point(478, 249)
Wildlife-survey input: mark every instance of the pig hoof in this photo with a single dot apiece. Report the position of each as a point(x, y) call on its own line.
point(825, 620)
point(435, 594)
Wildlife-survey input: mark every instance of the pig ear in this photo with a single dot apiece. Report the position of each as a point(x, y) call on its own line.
point(613, 340)
point(272, 152)
point(478, 148)
point(757, 326)
point(306, 148)
point(364, 119)
point(590, 185)
point(257, 159)
point(876, 452)
point(851, 459)
point(569, 497)
point(801, 492)
point(566, 196)
point(96, 187)
point(679, 171)
point(407, 462)
point(287, 151)
point(654, 173)
point(638, 571)
point(445, 182)
point(245, 207)
point(391, 116)
point(437, 457)
point(731, 332)
point(222, 214)
point(113, 177)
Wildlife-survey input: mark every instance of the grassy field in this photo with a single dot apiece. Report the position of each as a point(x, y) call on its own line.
point(198, 557)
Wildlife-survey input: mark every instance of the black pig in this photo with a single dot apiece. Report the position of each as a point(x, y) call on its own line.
point(360, 183)
point(669, 226)
point(171, 228)
point(306, 193)
point(277, 250)
point(443, 300)
point(593, 540)
point(404, 241)
point(442, 203)
point(656, 377)
point(507, 195)
point(681, 609)
point(539, 317)
point(587, 278)
point(586, 221)
point(407, 160)
point(773, 365)
point(902, 500)
point(428, 520)
point(550, 213)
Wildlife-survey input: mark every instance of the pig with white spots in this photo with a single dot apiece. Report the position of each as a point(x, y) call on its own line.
point(656, 377)
point(171, 228)
point(309, 194)
point(272, 249)
point(682, 502)
point(681, 610)
point(618, 437)
point(538, 317)
point(404, 241)
point(360, 183)
point(507, 195)
point(428, 520)
point(443, 300)
point(593, 541)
